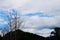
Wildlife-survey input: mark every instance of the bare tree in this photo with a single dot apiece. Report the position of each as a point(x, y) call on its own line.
point(4, 31)
point(14, 21)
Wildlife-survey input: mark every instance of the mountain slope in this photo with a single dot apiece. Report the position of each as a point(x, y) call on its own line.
point(20, 35)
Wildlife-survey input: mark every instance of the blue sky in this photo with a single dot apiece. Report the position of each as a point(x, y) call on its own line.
point(39, 15)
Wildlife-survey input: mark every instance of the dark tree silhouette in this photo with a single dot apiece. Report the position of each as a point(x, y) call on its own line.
point(0, 38)
point(52, 33)
point(20, 35)
point(56, 34)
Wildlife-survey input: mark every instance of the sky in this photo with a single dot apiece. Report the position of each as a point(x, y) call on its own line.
point(40, 16)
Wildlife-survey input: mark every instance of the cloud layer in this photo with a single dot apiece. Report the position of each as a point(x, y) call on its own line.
point(27, 6)
point(49, 18)
point(47, 6)
point(36, 22)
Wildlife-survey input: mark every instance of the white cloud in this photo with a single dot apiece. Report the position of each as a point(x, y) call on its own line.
point(37, 25)
point(44, 32)
point(48, 6)
point(36, 21)
point(5, 22)
point(57, 21)
point(29, 30)
point(1, 34)
point(27, 6)
point(6, 4)
point(2, 21)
